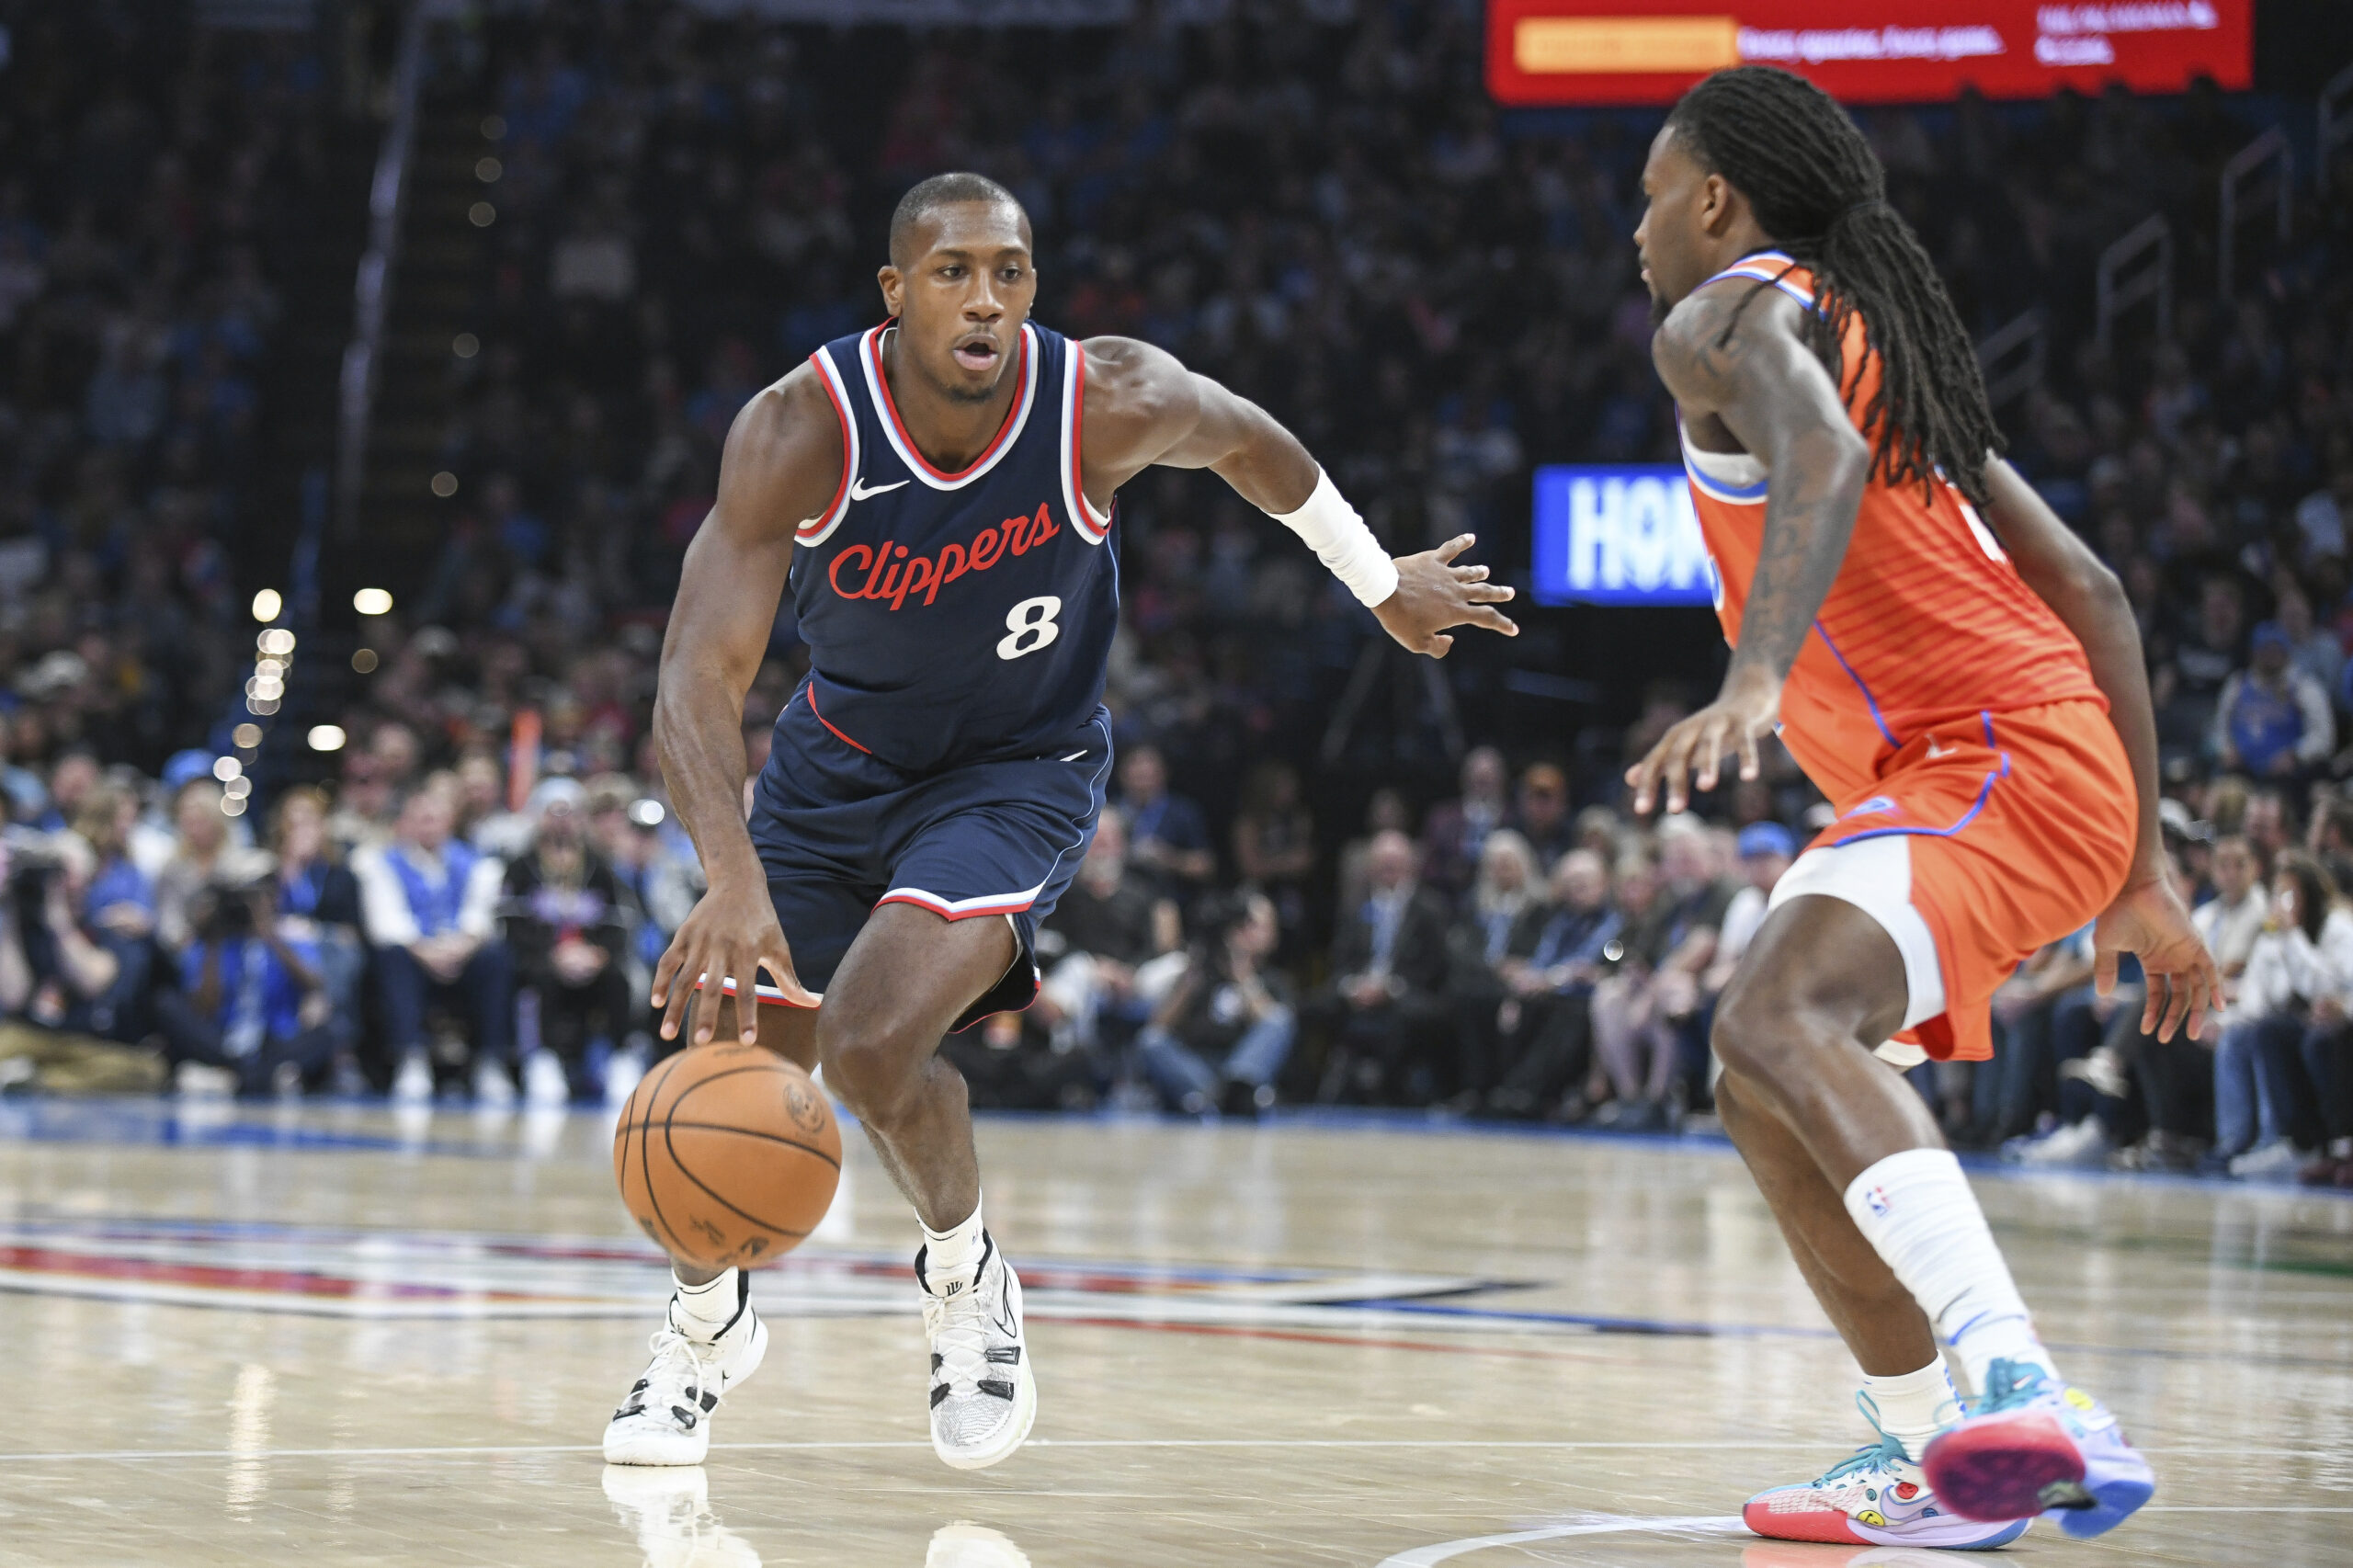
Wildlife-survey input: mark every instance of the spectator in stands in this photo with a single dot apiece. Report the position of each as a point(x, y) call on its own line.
point(1544, 1023)
point(252, 1003)
point(2236, 916)
point(1385, 811)
point(2269, 823)
point(201, 844)
point(1386, 1009)
point(1764, 850)
point(1274, 842)
point(1219, 1041)
point(121, 902)
point(318, 904)
point(566, 927)
point(2273, 720)
point(2328, 837)
point(1168, 838)
point(1109, 923)
point(2042, 1017)
point(1542, 812)
point(1501, 923)
point(2188, 686)
point(57, 971)
point(1456, 831)
point(431, 905)
point(2300, 973)
point(1646, 1022)
point(71, 783)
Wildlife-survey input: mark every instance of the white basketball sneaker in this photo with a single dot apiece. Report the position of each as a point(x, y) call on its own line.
point(983, 1398)
point(665, 1419)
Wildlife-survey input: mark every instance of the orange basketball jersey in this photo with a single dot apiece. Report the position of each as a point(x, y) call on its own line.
point(1927, 622)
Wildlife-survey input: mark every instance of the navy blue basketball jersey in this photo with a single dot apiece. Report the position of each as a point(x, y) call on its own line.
point(956, 618)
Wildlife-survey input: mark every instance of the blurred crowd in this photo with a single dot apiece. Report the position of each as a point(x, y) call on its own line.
point(1315, 204)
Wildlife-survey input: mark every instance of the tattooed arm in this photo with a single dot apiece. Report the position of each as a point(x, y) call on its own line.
point(1766, 386)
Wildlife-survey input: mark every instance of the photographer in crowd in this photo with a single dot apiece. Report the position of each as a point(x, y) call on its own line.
point(1219, 1040)
point(252, 1000)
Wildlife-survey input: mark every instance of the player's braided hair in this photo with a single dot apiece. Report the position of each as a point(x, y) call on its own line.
point(1819, 191)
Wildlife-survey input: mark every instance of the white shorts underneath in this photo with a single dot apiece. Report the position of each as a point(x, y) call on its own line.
point(1875, 876)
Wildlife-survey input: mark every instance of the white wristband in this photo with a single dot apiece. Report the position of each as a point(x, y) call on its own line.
point(1332, 528)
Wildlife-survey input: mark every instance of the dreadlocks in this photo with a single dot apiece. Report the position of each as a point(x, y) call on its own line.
point(1819, 190)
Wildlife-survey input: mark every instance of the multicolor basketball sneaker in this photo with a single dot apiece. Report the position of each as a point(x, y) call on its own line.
point(1877, 1498)
point(2034, 1445)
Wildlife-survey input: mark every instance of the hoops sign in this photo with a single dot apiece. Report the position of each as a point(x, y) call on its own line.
point(1618, 536)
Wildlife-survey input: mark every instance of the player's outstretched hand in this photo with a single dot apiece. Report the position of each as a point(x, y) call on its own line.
point(732, 933)
point(1734, 722)
point(1433, 594)
point(2148, 918)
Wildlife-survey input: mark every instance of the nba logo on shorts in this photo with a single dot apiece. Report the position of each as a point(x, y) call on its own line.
point(1877, 1198)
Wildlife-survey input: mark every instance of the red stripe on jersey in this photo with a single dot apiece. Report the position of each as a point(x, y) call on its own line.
point(810, 691)
point(891, 409)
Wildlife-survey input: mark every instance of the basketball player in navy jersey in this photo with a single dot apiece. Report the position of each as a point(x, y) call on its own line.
point(938, 493)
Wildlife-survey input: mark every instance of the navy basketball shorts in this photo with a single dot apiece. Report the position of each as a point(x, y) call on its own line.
point(840, 833)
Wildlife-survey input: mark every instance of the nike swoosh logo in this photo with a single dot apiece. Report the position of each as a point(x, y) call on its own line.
point(859, 491)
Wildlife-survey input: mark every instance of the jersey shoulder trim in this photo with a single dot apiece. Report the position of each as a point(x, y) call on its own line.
point(817, 530)
point(1093, 526)
point(1775, 268)
point(877, 387)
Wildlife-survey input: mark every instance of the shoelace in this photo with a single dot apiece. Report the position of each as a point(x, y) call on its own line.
point(2008, 1383)
point(961, 1340)
point(1886, 1450)
point(681, 1374)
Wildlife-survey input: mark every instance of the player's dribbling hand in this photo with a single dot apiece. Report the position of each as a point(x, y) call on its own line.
point(1434, 593)
point(2148, 918)
point(1734, 722)
point(732, 933)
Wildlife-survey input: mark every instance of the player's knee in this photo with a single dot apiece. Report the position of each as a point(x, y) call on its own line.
point(1759, 1027)
point(871, 1071)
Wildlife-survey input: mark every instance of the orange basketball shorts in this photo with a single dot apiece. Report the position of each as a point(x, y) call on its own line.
point(1978, 843)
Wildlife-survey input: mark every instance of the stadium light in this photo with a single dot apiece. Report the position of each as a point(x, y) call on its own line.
point(372, 601)
point(277, 641)
point(247, 736)
point(226, 767)
point(266, 604)
point(326, 737)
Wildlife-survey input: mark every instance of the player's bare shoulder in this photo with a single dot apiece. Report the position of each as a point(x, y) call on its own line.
point(1705, 347)
point(783, 459)
point(1140, 399)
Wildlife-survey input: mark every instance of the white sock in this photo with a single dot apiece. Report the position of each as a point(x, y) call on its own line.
point(954, 1253)
point(1915, 1407)
point(702, 1312)
point(1916, 1210)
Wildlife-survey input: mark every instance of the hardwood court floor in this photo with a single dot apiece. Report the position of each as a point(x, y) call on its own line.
point(331, 1336)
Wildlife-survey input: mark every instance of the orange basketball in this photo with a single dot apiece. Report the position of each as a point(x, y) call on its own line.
point(727, 1155)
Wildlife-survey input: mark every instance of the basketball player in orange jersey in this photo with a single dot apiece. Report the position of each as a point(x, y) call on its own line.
point(936, 492)
point(1964, 681)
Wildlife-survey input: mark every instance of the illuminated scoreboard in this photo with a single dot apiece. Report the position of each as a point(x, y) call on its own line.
point(1648, 52)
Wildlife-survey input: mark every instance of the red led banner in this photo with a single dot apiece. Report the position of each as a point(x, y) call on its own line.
point(1648, 52)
